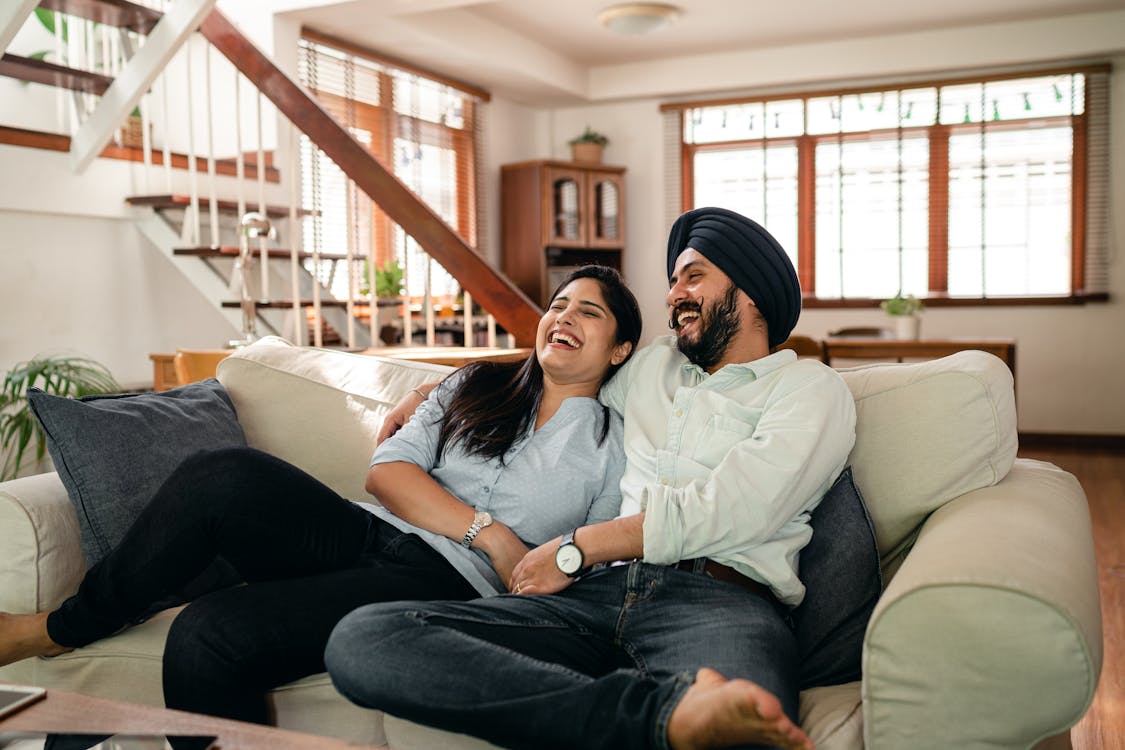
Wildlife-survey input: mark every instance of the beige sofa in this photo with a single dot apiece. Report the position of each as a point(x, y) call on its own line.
point(988, 633)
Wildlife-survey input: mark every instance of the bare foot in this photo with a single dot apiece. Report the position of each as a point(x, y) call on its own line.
point(717, 712)
point(22, 636)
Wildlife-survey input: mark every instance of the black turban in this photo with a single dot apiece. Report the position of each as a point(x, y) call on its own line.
point(750, 256)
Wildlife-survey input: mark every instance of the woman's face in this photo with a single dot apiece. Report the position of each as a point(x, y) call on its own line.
point(575, 341)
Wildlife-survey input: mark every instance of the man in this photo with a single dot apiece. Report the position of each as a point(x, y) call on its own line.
point(682, 638)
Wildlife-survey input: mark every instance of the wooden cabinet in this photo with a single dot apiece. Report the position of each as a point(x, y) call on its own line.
point(556, 216)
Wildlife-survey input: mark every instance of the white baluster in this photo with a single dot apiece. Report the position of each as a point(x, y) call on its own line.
point(349, 264)
point(294, 233)
point(428, 304)
point(467, 314)
point(264, 258)
point(212, 184)
point(193, 171)
point(407, 313)
point(166, 150)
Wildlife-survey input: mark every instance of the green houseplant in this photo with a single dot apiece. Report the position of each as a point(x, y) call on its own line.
point(904, 310)
point(58, 374)
point(588, 146)
point(902, 305)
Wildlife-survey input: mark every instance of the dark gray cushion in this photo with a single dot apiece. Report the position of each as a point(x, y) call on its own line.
point(113, 452)
point(843, 581)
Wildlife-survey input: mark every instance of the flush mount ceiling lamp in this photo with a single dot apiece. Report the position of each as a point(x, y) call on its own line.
point(635, 19)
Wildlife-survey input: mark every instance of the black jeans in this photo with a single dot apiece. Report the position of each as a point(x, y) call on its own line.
point(306, 555)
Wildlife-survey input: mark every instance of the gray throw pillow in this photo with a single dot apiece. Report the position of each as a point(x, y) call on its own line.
point(843, 581)
point(113, 452)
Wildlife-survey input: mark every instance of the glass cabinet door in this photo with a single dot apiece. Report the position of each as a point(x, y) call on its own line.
point(567, 209)
point(606, 210)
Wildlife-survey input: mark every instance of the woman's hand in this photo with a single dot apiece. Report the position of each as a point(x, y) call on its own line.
point(537, 573)
point(503, 547)
point(401, 413)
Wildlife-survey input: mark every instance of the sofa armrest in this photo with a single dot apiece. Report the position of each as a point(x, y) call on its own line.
point(42, 559)
point(990, 633)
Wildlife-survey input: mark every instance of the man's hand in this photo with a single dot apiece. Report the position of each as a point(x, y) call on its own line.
point(399, 415)
point(537, 573)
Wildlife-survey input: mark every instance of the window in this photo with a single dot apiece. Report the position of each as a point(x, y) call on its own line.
point(422, 130)
point(966, 189)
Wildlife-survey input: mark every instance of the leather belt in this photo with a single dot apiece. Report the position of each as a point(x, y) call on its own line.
point(721, 572)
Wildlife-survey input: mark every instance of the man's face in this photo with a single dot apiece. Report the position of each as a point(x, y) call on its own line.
point(703, 307)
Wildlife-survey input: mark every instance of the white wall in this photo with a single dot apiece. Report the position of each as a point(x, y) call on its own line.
point(76, 275)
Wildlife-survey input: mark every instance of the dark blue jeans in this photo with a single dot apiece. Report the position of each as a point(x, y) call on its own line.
point(306, 556)
point(600, 665)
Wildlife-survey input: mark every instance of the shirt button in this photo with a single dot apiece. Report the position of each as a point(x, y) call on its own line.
point(679, 412)
point(664, 480)
point(486, 490)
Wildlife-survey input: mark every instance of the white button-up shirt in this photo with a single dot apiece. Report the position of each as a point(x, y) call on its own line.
point(729, 466)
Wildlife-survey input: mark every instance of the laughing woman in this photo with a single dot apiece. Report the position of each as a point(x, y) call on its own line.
point(500, 457)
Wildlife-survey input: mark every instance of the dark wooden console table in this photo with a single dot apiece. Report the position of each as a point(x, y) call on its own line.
point(856, 347)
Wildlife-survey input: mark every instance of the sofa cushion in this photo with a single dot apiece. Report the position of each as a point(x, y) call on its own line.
point(840, 569)
point(319, 409)
point(927, 433)
point(113, 452)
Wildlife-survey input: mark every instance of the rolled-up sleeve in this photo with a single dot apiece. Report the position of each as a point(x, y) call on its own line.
point(800, 443)
point(607, 504)
point(416, 441)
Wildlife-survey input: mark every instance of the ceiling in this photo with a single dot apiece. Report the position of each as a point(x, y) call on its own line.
point(543, 51)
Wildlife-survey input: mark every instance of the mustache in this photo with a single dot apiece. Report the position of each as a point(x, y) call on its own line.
point(687, 305)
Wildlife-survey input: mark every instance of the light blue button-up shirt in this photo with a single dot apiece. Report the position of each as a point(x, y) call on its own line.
point(552, 480)
point(731, 465)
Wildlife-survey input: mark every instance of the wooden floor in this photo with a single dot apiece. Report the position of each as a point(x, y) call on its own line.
point(1102, 475)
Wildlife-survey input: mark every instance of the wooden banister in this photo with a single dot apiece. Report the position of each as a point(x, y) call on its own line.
point(510, 306)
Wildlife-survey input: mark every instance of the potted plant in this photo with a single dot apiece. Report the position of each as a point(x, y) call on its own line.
point(388, 290)
point(58, 374)
point(588, 146)
point(904, 310)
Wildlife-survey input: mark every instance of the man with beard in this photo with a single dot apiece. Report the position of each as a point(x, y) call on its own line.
point(680, 635)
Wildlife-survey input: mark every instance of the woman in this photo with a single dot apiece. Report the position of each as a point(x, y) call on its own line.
point(527, 441)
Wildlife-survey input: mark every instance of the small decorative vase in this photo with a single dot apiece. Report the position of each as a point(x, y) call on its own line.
point(906, 327)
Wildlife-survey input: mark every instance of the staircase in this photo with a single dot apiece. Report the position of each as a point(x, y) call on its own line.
point(193, 217)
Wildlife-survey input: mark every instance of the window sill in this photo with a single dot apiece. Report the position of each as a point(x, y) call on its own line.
point(809, 302)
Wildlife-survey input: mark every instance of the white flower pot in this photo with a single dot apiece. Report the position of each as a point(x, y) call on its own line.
point(906, 326)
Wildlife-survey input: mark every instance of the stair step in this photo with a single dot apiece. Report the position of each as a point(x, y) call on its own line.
point(277, 304)
point(227, 251)
point(225, 206)
point(120, 13)
point(40, 71)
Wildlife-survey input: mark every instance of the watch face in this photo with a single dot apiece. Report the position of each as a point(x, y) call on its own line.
point(483, 518)
point(569, 559)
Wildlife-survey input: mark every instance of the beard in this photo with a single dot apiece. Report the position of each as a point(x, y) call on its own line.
point(717, 328)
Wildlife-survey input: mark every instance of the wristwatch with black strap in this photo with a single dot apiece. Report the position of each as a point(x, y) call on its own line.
point(568, 557)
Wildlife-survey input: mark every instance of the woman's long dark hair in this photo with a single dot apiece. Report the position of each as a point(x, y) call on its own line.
point(495, 402)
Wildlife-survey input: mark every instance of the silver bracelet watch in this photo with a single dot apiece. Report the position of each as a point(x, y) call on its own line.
point(481, 520)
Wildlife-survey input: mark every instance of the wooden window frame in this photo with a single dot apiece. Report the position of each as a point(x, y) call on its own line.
point(938, 136)
point(383, 122)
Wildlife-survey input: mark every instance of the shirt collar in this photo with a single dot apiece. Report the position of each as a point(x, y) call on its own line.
point(758, 368)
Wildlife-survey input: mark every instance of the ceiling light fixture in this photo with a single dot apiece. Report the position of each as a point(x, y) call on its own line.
point(635, 19)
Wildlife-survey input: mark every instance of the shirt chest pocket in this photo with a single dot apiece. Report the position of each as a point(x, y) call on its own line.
point(721, 433)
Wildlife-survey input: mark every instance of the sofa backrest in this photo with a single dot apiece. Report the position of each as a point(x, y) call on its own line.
point(318, 409)
point(926, 433)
